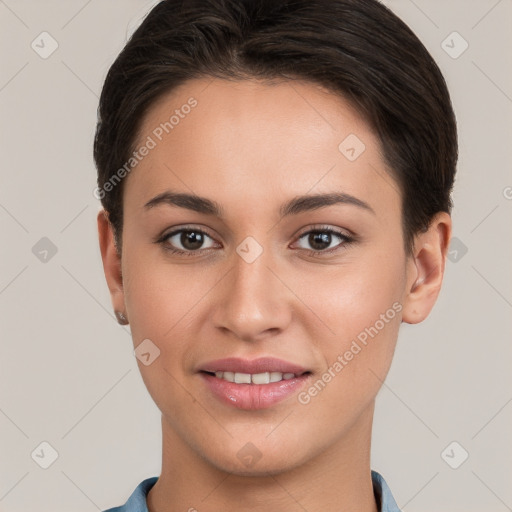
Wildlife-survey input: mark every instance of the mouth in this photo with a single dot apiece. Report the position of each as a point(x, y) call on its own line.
point(253, 384)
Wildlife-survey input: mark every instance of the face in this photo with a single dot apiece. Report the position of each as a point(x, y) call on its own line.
point(265, 268)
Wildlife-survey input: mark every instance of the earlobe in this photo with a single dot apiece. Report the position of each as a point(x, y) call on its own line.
point(111, 261)
point(426, 270)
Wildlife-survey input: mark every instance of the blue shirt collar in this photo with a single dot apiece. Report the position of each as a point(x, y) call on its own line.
point(383, 494)
point(137, 501)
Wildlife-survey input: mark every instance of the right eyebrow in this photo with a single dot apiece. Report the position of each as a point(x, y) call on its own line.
point(189, 201)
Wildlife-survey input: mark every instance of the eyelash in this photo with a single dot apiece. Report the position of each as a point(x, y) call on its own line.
point(347, 240)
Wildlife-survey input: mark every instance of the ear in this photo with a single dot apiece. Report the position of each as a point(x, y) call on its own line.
point(425, 269)
point(111, 261)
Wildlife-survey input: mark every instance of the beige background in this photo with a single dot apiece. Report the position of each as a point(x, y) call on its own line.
point(68, 375)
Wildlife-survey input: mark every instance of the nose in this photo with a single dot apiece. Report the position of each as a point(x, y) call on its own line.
point(252, 302)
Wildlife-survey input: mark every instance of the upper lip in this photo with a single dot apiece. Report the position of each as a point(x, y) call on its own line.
point(260, 365)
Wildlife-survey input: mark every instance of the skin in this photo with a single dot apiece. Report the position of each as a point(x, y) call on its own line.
point(251, 146)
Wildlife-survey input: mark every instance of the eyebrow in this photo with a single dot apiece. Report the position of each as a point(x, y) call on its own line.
point(299, 204)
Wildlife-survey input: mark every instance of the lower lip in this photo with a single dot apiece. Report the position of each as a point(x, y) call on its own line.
point(253, 396)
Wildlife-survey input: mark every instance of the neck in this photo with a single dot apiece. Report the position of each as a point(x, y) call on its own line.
point(337, 479)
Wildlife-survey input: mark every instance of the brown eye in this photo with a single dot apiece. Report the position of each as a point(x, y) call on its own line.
point(191, 240)
point(186, 241)
point(321, 240)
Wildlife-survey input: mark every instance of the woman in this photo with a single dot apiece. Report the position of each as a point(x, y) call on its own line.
point(276, 181)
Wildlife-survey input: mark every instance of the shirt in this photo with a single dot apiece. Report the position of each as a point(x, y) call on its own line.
point(137, 501)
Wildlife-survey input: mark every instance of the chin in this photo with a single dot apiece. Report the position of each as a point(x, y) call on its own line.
point(245, 459)
point(275, 466)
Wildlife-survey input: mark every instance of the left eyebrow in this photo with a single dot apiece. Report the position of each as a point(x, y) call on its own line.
point(307, 203)
point(299, 204)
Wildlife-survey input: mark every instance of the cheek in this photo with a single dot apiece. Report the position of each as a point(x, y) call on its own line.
point(147, 297)
point(354, 296)
point(160, 302)
point(162, 299)
point(360, 310)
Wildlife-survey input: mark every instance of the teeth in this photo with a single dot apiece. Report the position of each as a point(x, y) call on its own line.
point(276, 376)
point(243, 378)
point(260, 378)
point(229, 376)
point(254, 378)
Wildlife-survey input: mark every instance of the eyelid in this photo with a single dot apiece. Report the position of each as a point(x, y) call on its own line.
point(186, 227)
point(327, 227)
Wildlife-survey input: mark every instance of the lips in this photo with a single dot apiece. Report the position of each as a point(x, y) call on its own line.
point(253, 384)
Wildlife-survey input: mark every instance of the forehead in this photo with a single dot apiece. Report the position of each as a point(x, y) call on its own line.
point(251, 141)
